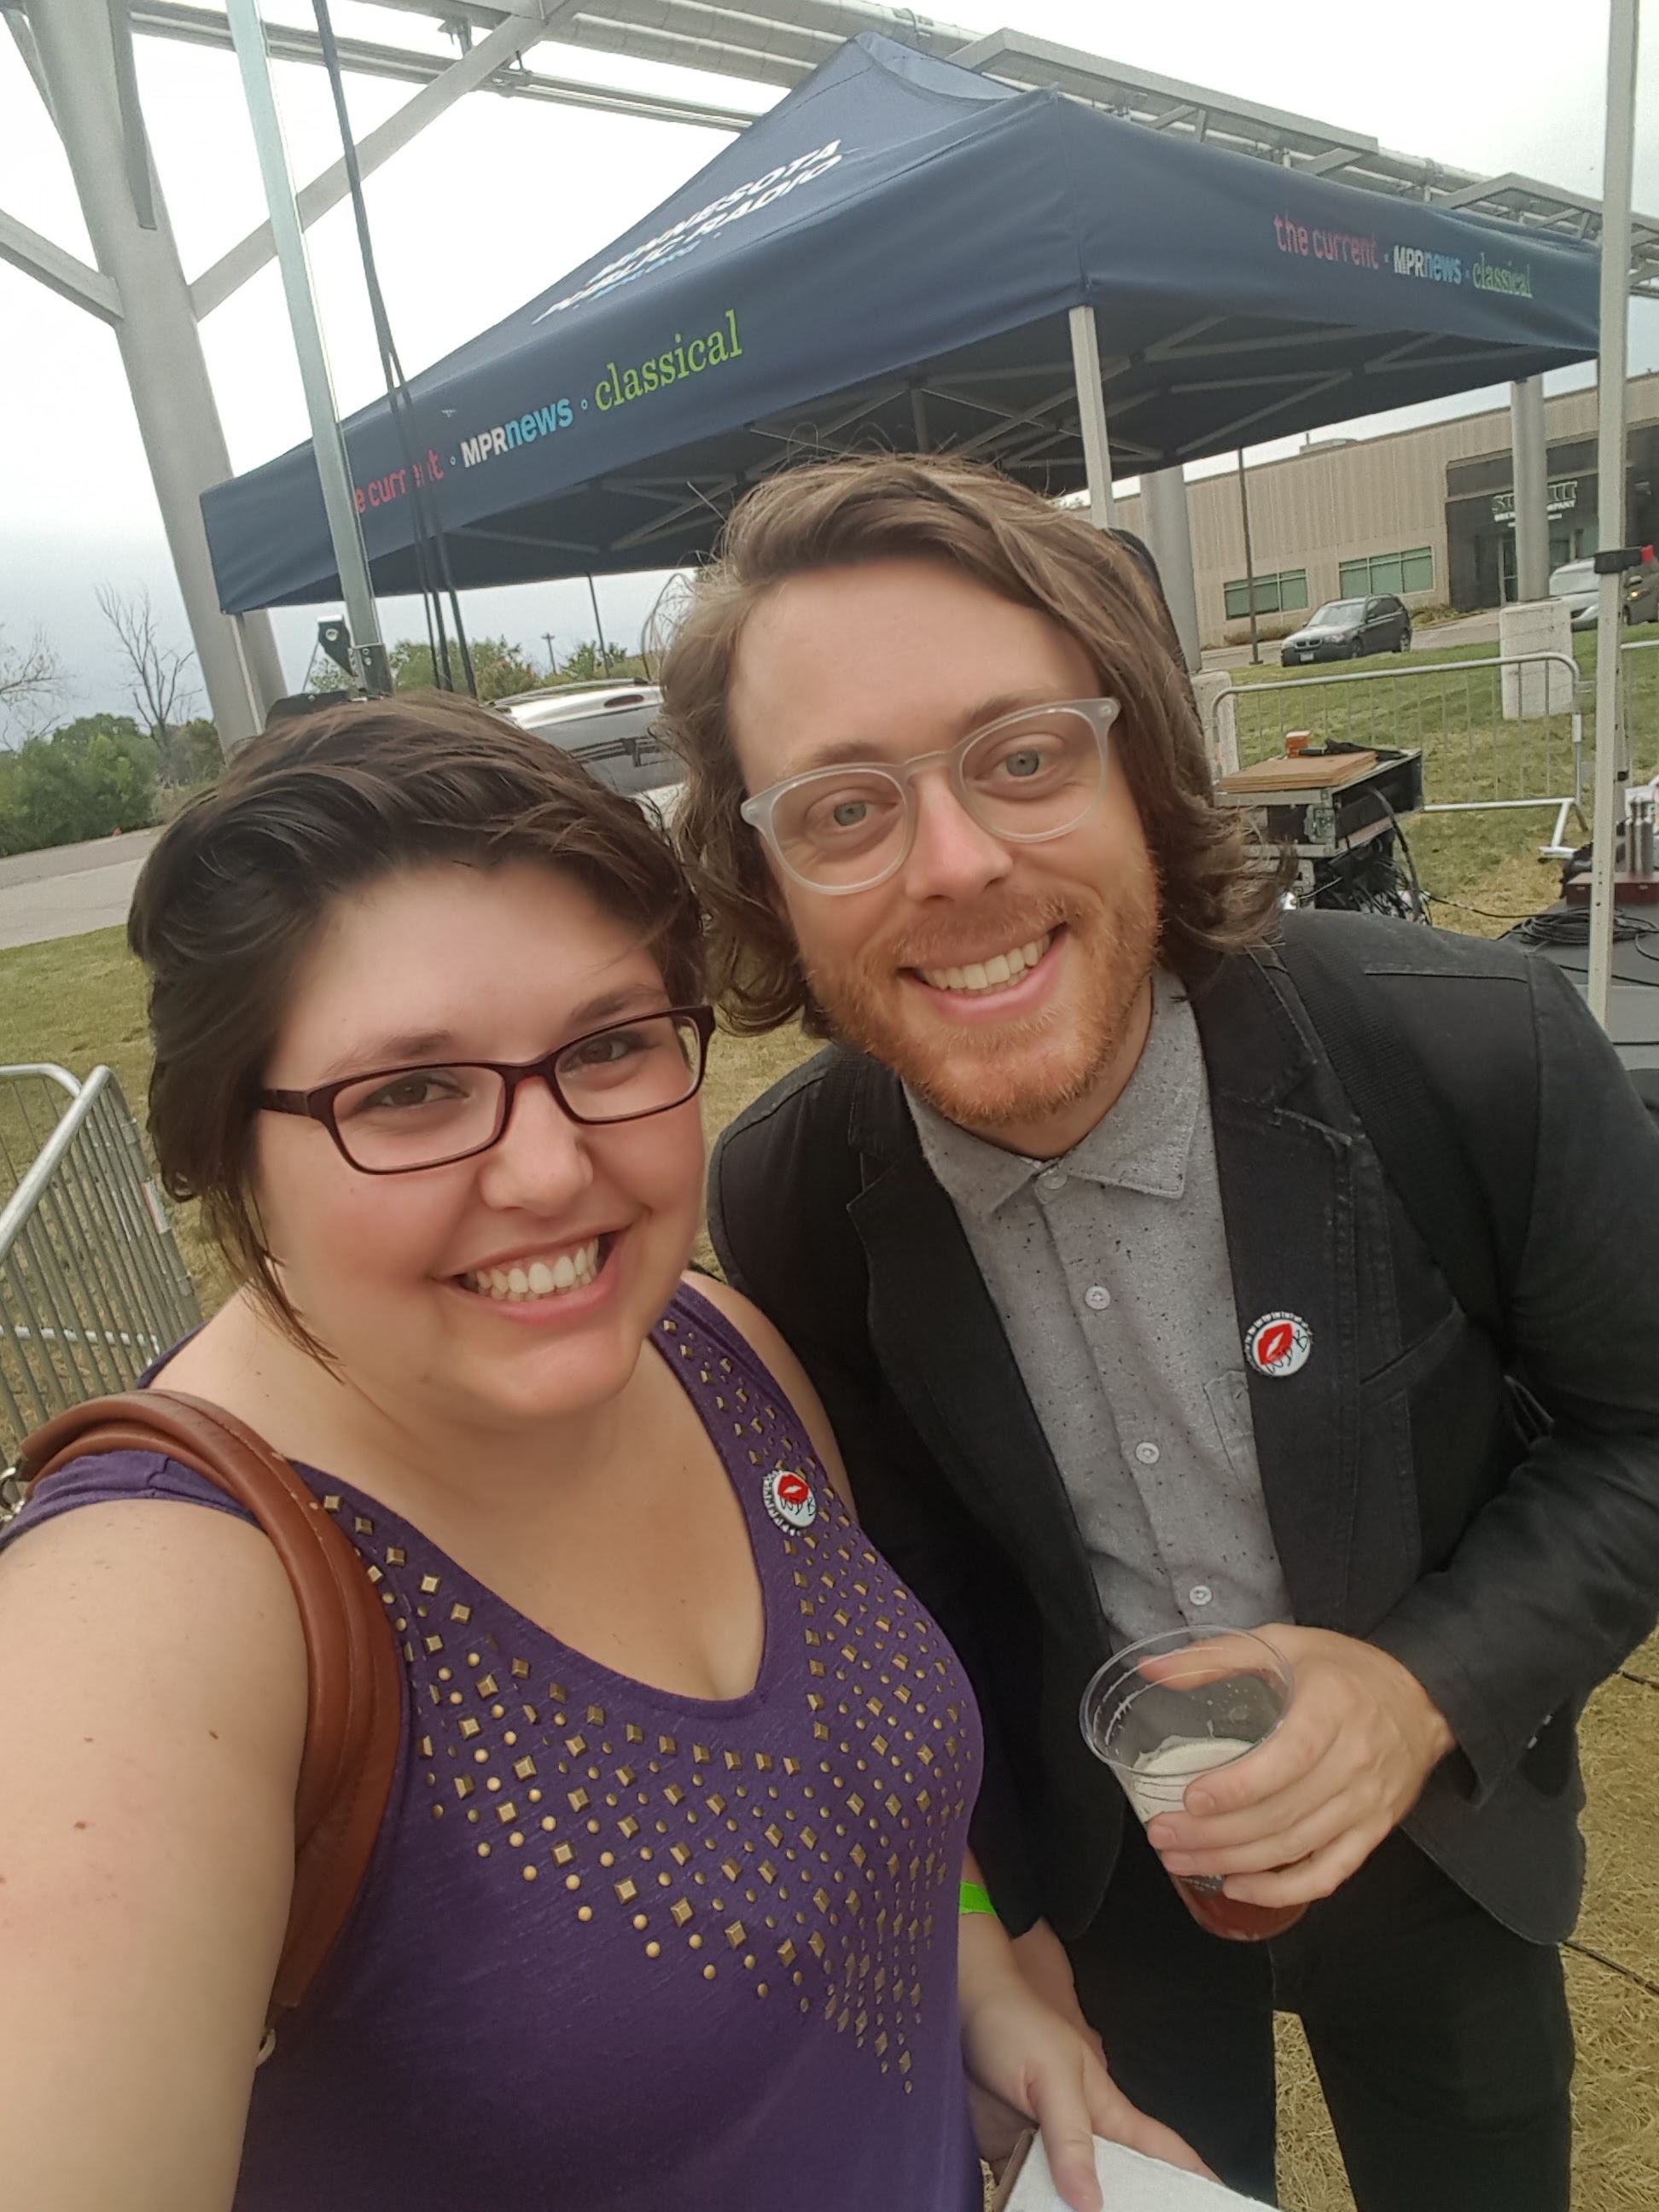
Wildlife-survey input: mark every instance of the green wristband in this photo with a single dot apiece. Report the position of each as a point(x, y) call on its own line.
point(976, 1898)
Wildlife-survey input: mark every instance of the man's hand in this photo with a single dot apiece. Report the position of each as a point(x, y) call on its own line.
point(1291, 1822)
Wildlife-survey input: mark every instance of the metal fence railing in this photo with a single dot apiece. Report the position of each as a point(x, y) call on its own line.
point(1497, 732)
point(92, 1286)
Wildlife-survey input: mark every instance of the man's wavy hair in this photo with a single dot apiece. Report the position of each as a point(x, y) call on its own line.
point(1215, 895)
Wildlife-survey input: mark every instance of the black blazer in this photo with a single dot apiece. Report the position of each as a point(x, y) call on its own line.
point(1509, 1563)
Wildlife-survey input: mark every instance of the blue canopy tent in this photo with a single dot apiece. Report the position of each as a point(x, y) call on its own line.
point(889, 258)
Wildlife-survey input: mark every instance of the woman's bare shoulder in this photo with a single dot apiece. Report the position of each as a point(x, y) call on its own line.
point(146, 1594)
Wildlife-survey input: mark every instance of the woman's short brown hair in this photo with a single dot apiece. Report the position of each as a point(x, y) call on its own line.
point(317, 808)
point(1215, 897)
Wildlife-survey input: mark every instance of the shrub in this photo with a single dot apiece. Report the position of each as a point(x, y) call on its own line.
point(88, 779)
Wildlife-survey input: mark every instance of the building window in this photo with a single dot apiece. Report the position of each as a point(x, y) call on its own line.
point(1281, 594)
point(1390, 572)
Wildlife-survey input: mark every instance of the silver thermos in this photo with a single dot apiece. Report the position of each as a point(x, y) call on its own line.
point(1638, 833)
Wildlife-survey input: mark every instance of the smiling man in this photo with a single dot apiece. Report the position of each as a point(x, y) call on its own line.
point(1132, 1315)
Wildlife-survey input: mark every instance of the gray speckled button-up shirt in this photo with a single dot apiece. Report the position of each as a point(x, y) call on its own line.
point(1109, 1268)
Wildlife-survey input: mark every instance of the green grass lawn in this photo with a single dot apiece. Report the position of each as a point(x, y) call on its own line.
point(1482, 867)
point(1438, 700)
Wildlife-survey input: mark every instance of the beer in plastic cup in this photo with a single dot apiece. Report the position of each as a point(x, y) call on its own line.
point(1170, 1708)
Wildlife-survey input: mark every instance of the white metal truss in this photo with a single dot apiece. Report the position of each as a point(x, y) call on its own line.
point(140, 291)
point(1297, 142)
point(781, 41)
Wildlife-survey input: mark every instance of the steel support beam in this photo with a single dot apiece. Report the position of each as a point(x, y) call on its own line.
point(161, 352)
point(23, 40)
point(1532, 508)
point(756, 44)
point(1091, 417)
point(58, 271)
point(1169, 534)
point(505, 44)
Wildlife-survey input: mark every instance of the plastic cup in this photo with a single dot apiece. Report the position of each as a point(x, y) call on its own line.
point(1170, 1708)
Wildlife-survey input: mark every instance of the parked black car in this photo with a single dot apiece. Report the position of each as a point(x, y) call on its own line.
point(1348, 630)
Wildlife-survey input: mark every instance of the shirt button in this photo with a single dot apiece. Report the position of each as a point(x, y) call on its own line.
point(1201, 1593)
point(1147, 1454)
point(1052, 1179)
point(1098, 1297)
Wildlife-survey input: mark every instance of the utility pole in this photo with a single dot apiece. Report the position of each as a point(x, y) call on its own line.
point(85, 62)
point(598, 627)
point(552, 658)
point(1250, 563)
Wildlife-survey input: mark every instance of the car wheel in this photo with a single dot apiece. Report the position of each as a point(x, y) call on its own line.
point(1403, 642)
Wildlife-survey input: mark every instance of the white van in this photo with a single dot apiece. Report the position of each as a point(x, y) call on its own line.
point(608, 728)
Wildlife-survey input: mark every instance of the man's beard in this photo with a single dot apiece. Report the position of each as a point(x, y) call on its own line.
point(1014, 1073)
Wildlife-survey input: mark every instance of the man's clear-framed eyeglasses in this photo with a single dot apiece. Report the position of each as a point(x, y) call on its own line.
point(1026, 777)
point(393, 1121)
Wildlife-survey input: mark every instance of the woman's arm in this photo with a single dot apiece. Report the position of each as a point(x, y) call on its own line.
point(150, 1732)
point(1027, 2059)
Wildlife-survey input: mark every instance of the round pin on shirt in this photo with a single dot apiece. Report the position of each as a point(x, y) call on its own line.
point(790, 1499)
point(1278, 1344)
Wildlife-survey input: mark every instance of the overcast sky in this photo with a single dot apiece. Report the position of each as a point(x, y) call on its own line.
point(501, 196)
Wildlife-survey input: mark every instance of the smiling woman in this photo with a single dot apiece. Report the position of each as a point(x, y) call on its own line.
point(428, 1034)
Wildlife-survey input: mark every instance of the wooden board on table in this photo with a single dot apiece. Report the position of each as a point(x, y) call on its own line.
point(1301, 772)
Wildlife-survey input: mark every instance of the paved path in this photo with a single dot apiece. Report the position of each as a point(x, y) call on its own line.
point(70, 888)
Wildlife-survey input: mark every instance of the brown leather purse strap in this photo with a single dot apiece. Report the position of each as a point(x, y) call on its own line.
point(354, 1693)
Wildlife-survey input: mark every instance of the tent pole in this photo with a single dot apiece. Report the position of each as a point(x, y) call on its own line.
point(1092, 418)
point(1612, 769)
point(1169, 532)
point(247, 33)
point(1532, 514)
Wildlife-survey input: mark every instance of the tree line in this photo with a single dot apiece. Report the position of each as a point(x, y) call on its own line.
point(65, 781)
point(500, 669)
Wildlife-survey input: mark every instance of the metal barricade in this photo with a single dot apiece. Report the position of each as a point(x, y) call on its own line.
point(92, 1286)
point(1495, 731)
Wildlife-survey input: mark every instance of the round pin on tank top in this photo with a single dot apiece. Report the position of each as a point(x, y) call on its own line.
point(789, 1499)
point(1278, 1344)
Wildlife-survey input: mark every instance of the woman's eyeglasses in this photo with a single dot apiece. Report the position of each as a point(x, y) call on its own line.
point(1025, 778)
point(396, 1119)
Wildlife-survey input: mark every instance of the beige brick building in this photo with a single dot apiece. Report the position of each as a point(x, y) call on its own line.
point(1424, 513)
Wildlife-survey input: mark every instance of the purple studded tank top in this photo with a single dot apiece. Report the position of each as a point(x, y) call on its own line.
point(622, 1951)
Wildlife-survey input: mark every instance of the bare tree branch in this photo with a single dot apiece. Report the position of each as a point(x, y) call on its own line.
point(157, 673)
point(30, 688)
